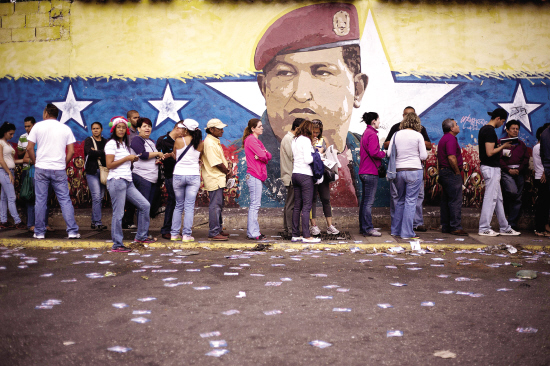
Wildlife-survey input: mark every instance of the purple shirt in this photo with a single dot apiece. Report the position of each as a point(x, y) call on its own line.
point(370, 148)
point(448, 145)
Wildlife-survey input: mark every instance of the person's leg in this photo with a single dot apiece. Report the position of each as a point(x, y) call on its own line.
point(444, 181)
point(214, 212)
point(324, 195)
point(297, 183)
point(455, 202)
point(418, 216)
point(499, 204)
point(193, 184)
point(307, 201)
point(489, 198)
point(515, 204)
point(41, 186)
point(129, 214)
point(11, 198)
point(394, 196)
point(95, 191)
point(30, 214)
point(61, 189)
point(541, 206)
point(4, 196)
point(313, 212)
point(170, 206)
point(363, 205)
point(143, 186)
point(509, 192)
point(415, 184)
point(397, 218)
point(370, 183)
point(255, 190)
point(289, 208)
point(143, 207)
point(117, 191)
point(179, 192)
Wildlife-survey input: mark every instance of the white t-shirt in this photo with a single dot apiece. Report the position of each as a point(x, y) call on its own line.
point(123, 171)
point(189, 164)
point(8, 153)
point(537, 162)
point(301, 150)
point(51, 138)
point(411, 149)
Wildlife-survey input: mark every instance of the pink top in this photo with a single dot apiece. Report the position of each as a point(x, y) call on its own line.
point(370, 153)
point(256, 168)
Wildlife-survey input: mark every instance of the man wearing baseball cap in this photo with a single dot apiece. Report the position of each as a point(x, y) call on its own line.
point(215, 171)
point(489, 154)
point(310, 67)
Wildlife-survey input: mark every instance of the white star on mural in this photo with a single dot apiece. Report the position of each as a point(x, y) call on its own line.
point(383, 95)
point(168, 107)
point(72, 108)
point(519, 109)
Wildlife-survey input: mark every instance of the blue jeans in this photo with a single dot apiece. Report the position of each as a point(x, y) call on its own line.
point(7, 200)
point(418, 217)
point(120, 190)
point(97, 190)
point(303, 200)
point(512, 189)
point(255, 190)
point(492, 200)
point(186, 188)
point(215, 208)
point(451, 200)
point(370, 183)
point(30, 205)
point(408, 184)
point(57, 179)
point(146, 188)
point(170, 205)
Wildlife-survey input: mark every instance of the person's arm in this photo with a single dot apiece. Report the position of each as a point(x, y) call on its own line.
point(422, 149)
point(260, 154)
point(90, 151)
point(70, 153)
point(373, 147)
point(213, 155)
point(453, 162)
point(305, 146)
point(491, 150)
point(426, 138)
point(138, 145)
point(30, 151)
point(112, 164)
point(20, 149)
point(4, 165)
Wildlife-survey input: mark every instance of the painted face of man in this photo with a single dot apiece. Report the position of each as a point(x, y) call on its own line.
point(312, 85)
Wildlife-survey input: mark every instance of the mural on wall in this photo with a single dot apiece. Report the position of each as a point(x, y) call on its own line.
point(306, 64)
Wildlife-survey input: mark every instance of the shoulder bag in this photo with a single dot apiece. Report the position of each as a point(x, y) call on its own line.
point(392, 168)
point(103, 170)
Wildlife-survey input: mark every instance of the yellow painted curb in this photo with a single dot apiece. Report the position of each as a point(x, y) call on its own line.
point(72, 244)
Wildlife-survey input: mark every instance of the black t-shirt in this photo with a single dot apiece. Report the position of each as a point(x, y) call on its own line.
point(165, 144)
point(487, 134)
point(395, 128)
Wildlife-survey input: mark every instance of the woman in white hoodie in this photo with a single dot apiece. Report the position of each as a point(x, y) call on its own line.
point(302, 180)
point(410, 151)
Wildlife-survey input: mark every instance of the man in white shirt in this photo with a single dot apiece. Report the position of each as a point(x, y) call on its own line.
point(52, 138)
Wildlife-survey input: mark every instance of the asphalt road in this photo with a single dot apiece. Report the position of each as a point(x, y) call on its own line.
point(479, 330)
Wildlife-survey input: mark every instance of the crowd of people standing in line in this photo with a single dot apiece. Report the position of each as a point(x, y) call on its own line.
point(127, 165)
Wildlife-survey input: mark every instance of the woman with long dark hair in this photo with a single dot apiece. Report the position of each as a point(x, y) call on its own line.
point(302, 180)
point(119, 160)
point(7, 162)
point(371, 158)
point(257, 158)
point(94, 153)
point(187, 178)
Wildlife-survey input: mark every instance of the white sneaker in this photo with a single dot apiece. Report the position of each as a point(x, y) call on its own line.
point(312, 240)
point(74, 236)
point(314, 230)
point(296, 238)
point(373, 233)
point(489, 232)
point(332, 230)
point(510, 232)
point(187, 238)
point(39, 236)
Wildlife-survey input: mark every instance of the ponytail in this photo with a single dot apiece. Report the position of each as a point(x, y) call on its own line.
point(253, 123)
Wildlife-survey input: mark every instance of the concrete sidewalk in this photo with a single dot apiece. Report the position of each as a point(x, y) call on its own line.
point(346, 220)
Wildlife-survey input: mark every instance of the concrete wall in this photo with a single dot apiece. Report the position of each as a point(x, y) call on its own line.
point(195, 59)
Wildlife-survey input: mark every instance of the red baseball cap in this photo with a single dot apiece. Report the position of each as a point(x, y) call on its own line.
point(310, 28)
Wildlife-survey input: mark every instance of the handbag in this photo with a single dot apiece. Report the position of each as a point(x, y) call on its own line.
point(329, 175)
point(103, 170)
point(392, 168)
point(27, 186)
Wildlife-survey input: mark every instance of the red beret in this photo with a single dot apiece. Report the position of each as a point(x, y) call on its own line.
point(310, 28)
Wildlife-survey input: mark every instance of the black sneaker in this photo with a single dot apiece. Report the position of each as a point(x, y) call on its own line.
point(98, 227)
point(421, 228)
